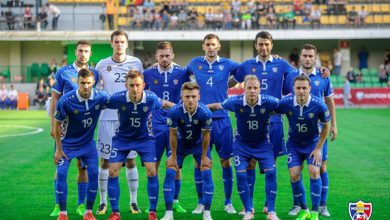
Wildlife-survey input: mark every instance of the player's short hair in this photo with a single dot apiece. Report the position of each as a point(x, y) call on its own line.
point(190, 86)
point(264, 35)
point(302, 77)
point(83, 42)
point(250, 77)
point(309, 47)
point(84, 73)
point(210, 36)
point(119, 33)
point(163, 45)
point(133, 73)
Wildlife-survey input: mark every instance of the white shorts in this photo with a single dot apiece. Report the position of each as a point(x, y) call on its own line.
point(106, 131)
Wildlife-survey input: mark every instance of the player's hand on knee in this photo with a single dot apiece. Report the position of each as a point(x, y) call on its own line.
point(58, 155)
point(317, 156)
point(205, 163)
point(171, 163)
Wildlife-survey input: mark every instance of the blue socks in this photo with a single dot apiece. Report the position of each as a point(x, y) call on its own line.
point(198, 184)
point(251, 179)
point(55, 190)
point(227, 178)
point(270, 189)
point(177, 189)
point(169, 188)
point(299, 193)
point(243, 190)
point(315, 193)
point(296, 199)
point(93, 173)
point(113, 193)
point(153, 192)
point(82, 192)
point(324, 190)
point(208, 189)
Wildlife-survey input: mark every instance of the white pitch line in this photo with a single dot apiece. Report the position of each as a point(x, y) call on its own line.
point(35, 130)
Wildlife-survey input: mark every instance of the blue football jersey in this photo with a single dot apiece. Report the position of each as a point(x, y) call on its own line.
point(189, 126)
point(65, 79)
point(303, 120)
point(79, 117)
point(167, 86)
point(320, 87)
point(213, 79)
point(133, 117)
point(252, 122)
point(272, 75)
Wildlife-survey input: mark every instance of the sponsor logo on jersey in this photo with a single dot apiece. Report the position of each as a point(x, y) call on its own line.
point(109, 68)
point(360, 210)
point(175, 81)
point(221, 67)
point(311, 115)
point(275, 69)
point(317, 83)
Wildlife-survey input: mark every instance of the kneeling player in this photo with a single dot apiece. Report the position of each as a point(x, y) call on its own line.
point(252, 111)
point(189, 133)
point(77, 114)
point(305, 141)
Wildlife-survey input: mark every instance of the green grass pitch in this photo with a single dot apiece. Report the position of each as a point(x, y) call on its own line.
point(359, 162)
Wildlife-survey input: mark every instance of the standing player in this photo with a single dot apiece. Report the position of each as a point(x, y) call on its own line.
point(165, 79)
point(113, 71)
point(134, 107)
point(305, 141)
point(252, 112)
point(77, 114)
point(212, 74)
point(65, 81)
point(189, 133)
point(321, 88)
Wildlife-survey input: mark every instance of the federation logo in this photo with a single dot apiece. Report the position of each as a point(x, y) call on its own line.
point(200, 67)
point(317, 83)
point(73, 79)
point(145, 108)
point(109, 68)
point(97, 107)
point(208, 122)
point(221, 67)
point(327, 113)
point(290, 113)
point(196, 122)
point(360, 210)
point(253, 70)
point(169, 121)
point(241, 110)
point(182, 121)
point(175, 81)
point(311, 115)
point(262, 110)
point(275, 69)
point(155, 81)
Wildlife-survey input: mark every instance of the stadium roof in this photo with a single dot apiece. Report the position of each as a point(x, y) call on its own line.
point(232, 35)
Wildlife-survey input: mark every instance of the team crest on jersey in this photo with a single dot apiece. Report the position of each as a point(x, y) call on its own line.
point(275, 69)
point(175, 81)
point(208, 122)
point(221, 67)
point(109, 68)
point(169, 121)
point(311, 115)
point(262, 110)
point(290, 113)
point(317, 83)
point(327, 113)
point(200, 67)
point(155, 81)
point(76, 111)
point(182, 121)
point(123, 108)
point(241, 110)
point(73, 79)
point(360, 210)
point(97, 107)
point(145, 108)
point(253, 70)
point(196, 121)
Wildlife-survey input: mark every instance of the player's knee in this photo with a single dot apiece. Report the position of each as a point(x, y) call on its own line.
point(105, 164)
point(178, 174)
point(324, 167)
point(130, 163)
point(150, 169)
point(225, 163)
point(61, 175)
point(295, 176)
point(314, 172)
point(114, 172)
